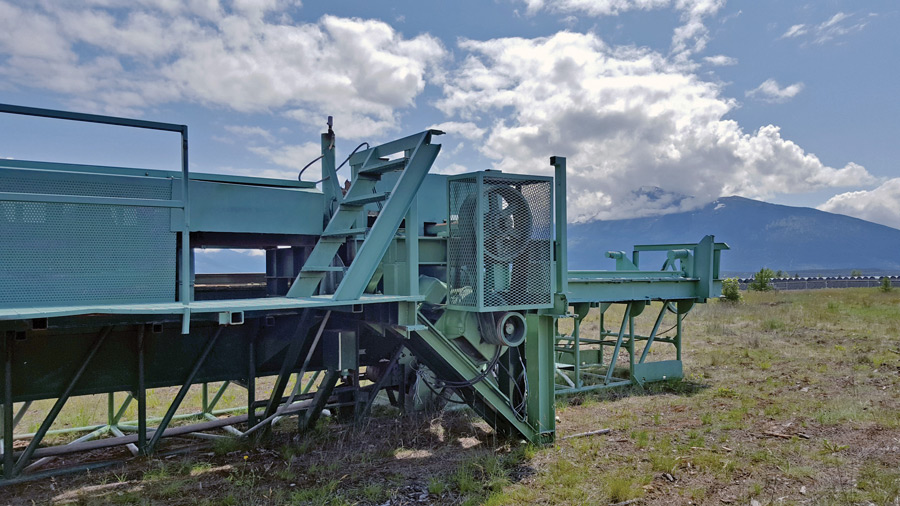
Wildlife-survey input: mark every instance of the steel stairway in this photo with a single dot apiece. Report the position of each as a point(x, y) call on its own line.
point(370, 165)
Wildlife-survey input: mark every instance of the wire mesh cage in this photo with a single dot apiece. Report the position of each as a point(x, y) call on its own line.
point(501, 229)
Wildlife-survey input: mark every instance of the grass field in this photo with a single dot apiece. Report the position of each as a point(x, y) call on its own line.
point(789, 398)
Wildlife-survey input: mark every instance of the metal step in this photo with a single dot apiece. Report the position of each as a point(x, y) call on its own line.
point(382, 166)
point(347, 232)
point(323, 268)
point(366, 199)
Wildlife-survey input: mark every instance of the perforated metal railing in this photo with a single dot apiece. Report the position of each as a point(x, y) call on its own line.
point(57, 253)
point(75, 238)
point(500, 242)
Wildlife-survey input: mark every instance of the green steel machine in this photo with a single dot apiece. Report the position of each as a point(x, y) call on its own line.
point(422, 288)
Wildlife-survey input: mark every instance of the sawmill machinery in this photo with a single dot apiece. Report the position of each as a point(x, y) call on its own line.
point(403, 287)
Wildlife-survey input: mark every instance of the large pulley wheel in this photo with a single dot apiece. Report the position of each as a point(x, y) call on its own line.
point(507, 222)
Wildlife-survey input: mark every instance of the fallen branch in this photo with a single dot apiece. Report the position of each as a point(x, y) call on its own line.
point(624, 503)
point(777, 434)
point(582, 434)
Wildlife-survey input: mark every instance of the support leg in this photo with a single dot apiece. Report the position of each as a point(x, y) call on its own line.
point(290, 358)
point(58, 405)
point(251, 382)
point(182, 391)
point(363, 411)
point(141, 394)
point(615, 353)
point(319, 400)
point(659, 319)
point(7, 408)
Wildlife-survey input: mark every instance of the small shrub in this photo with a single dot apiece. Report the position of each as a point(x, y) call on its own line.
point(855, 273)
point(731, 290)
point(886, 284)
point(761, 280)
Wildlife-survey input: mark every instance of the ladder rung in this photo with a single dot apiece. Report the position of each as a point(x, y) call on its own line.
point(344, 233)
point(322, 268)
point(382, 166)
point(366, 199)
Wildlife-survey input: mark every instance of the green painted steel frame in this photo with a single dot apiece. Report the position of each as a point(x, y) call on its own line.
point(571, 348)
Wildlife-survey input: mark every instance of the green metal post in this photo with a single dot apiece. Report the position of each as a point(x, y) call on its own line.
point(141, 394)
point(204, 398)
point(576, 336)
point(412, 248)
point(331, 187)
point(600, 337)
point(562, 262)
point(539, 357)
point(110, 408)
point(678, 318)
point(251, 377)
point(7, 408)
point(631, 346)
point(186, 252)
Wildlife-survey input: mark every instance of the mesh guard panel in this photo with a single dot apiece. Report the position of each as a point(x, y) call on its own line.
point(60, 254)
point(510, 268)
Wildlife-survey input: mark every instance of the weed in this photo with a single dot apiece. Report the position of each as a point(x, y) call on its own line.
point(828, 447)
point(436, 486)
point(623, 487)
point(228, 445)
point(726, 392)
point(641, 439)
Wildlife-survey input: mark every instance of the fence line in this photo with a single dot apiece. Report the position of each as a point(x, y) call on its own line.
point(824, 282)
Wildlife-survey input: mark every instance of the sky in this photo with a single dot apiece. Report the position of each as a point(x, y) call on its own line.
point(660, 106)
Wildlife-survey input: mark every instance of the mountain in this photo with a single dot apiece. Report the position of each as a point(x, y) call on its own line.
point(792, 239)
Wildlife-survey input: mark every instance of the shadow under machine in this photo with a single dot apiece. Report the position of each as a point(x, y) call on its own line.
point(407, 287)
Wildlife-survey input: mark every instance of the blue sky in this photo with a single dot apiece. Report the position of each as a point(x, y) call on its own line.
point(788, 102)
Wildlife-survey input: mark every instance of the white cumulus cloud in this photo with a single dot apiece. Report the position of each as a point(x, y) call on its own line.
point(881, 205)
point(625, 118)
point(770, 91)
point(246, 55)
